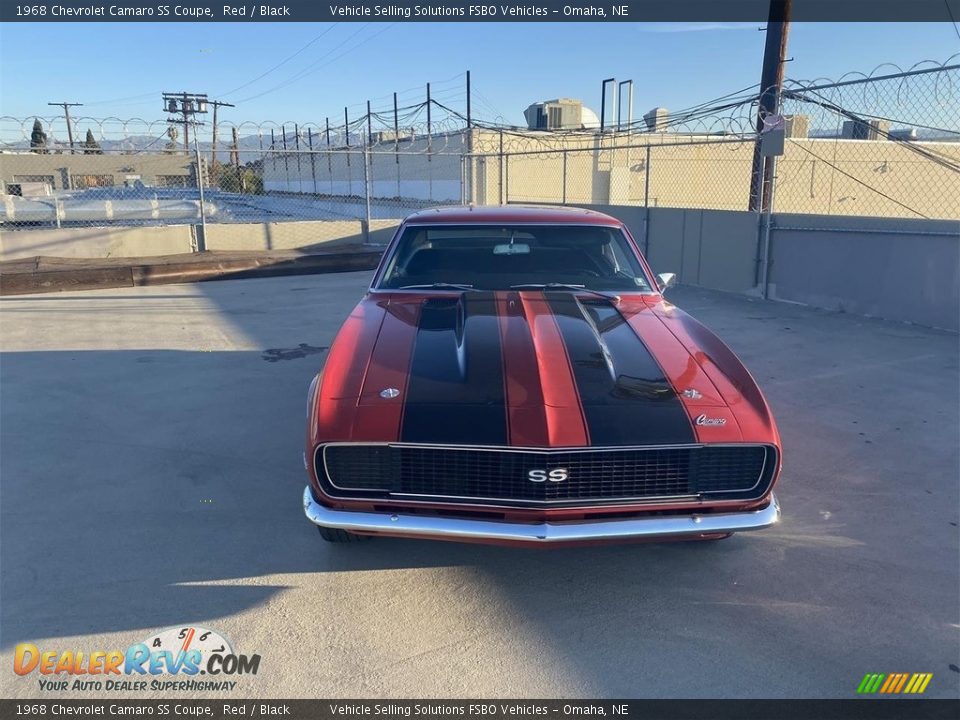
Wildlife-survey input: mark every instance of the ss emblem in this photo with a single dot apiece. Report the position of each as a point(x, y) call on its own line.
point(556, 475)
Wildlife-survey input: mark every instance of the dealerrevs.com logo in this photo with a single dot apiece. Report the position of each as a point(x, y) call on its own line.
point(182, 652)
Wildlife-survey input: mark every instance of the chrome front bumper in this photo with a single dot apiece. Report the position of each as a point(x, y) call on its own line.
point(542, 532)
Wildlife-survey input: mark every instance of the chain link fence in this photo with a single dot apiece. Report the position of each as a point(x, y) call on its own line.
point(131, 188)
point(881, 146)
point(119, 203)
point(689, 173)
point(885, 145)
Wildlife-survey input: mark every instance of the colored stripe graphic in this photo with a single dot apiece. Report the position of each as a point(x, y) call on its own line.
point(529, 373)
point(625, 397)
point(918, 683)
point(903, 680)
point(862, 687)
point(455, 393)
point(894, 683)
point(563, 412)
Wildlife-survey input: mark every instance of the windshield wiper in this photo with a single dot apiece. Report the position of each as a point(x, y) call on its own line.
point(562, 286)
point(437, 286)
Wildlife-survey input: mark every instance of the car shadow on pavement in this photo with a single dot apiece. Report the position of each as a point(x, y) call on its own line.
point(139, 486)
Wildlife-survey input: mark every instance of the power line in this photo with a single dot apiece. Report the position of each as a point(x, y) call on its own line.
point(150, 144)
point(858, 117)
point(950, 12)
point(408, 91)
point(280, 64)
point(123, 99)
point(305, 71)
point(858, 180)
point(317, 65)
point(489, 105)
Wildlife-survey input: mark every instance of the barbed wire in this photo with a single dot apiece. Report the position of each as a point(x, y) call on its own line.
point(867, 94)
point(885, 142)
point(129, 134)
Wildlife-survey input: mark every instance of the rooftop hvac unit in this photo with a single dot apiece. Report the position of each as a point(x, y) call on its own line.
point(865, 129)
point(559, 114)
point(657, 119)
point(904, 134)
point(796, 126)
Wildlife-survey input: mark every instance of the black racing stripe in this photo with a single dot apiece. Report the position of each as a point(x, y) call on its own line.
point(456, 391)
point(626, 398)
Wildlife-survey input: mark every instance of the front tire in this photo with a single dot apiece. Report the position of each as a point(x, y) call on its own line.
point(336, 535)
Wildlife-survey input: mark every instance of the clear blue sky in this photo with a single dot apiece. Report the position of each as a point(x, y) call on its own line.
point(674, 65)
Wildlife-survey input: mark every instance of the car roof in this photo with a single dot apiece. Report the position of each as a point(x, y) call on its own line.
point(468, 215)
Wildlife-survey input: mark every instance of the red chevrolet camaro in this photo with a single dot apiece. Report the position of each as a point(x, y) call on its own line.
point(515, 375)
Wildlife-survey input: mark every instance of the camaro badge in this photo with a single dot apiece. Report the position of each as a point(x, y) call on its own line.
point(692, 393)
point(709, 421)
point(555, 475)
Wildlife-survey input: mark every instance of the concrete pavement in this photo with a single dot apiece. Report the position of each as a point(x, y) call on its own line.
point(150, 445)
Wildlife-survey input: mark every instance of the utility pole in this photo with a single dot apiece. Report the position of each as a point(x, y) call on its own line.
point(313, 166)
point(369, 132)
point(66, 114)
point(429, 125)
point(186, 105)
point(468, 158)
point(369, 125)
point(346, 130)
point(396, 141)
point(771, 82)
point(213, 153)
point(235, 157)
point(396, 131)
point(329, 158)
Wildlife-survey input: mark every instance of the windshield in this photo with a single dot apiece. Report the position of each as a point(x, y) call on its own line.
point(501, 257)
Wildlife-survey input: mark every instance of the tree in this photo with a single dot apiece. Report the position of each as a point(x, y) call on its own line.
point(172, 134)
point(38, 138)
point(91, 146)
point(244, 179)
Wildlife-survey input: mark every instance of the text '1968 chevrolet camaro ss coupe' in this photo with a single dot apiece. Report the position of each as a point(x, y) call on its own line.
point(514, 375)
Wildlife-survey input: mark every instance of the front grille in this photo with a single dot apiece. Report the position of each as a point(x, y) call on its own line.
point(467, 475)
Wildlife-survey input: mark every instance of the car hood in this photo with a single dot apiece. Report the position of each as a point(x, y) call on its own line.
point(530, 369)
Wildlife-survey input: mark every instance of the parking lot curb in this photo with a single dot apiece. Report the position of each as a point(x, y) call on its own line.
point(47, 274)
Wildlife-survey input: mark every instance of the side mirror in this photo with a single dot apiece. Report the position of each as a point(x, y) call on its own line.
point(667, 280)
